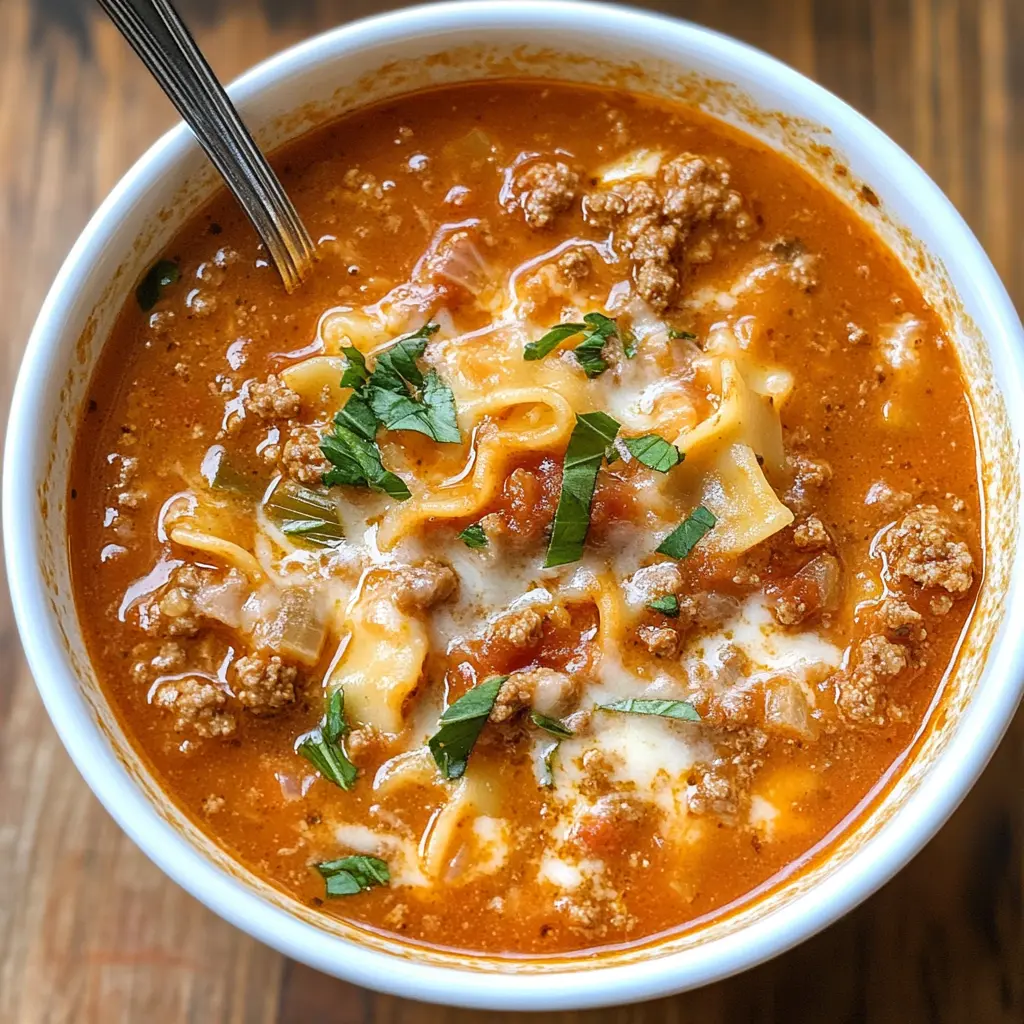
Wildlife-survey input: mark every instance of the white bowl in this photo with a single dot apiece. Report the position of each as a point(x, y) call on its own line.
point(408, 49)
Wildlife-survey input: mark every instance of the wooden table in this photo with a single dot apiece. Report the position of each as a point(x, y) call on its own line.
point(91, 932)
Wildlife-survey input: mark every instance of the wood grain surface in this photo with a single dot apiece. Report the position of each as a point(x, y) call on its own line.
point(91, 932)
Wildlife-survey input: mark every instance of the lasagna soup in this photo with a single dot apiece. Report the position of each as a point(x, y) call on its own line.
point(567, 561)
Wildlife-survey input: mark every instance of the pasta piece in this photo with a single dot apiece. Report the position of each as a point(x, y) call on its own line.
point(219, 550)
point(747, 509)
point(526, 420)
point(312, 376)
point(382, 664)
point(762, 377)
point(411, 768)
point(471, 849)
point(744, 417)
point(341, 328)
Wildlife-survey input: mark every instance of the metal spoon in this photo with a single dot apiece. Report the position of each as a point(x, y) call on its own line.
point(159, 36)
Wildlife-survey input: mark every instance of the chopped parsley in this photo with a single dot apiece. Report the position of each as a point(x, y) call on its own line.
point(551, 725)
point(461, 725)
point(350, 875)
point(680, 709)
point(356, 374)
point(653, 451)
point(667, 605)
point(324, 747)
point(401, 398)
point(597, 329)
point(676, 334)
point(473, 536)
point(161, 275)
point(356, 461)
point(593, 434)
point(682, 540)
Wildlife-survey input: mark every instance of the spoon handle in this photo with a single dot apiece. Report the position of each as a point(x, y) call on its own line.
point(160, 38)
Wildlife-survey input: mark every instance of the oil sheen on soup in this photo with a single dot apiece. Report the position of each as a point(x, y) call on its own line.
point(566, 560)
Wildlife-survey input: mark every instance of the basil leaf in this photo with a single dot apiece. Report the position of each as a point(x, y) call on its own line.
point(549, 342)
point(474, 537)
point(675, 334)
point(551, 725)
point(356, 462)
point(653, 451)
point(159, 276)
point(349, 875)
point(680, 709)
point(588, 355)
point(432, 415)
point(590, 439)
point(682, 540)
point(323, 747)
point(460, 726)
point(356, 374)
point(357, 415)
point(668, 605)
point(395, 369)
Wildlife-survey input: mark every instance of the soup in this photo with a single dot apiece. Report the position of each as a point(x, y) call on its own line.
point(567, 560)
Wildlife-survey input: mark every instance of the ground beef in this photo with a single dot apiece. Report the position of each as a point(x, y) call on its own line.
point(810, 477)
point(271, 399)
point(653, 221)
point(520, 629)
point(860, 690)
point(169, 658)
point(544, 190)
point(542, 688)
point(125, 495)
point(923, 547)
point(886, 498)
point(811, 535)
point(796, 263)
point(198, 705)
point(900, 621)
point(299, 456)
point(574, 265)
point(264, 683)
point(722, 786)
point(706, 610)
point(661, 641)
point(171, 612)
point(417, 588)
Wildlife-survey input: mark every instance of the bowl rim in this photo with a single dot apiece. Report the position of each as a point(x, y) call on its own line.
point(944, 786)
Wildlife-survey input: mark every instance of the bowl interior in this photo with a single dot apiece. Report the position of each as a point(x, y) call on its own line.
point(412, 50)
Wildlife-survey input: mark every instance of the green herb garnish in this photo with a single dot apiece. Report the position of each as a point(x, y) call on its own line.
point(430, 411)
point(162, 274)
point(551, 725)
point(460, 726)
point(653, 451)
point(596, 329)
point(356, 460)
point(591, 437)
point(680, 709)
point(676, 334)
point(324, 749)
point(667, 605)
point(350, 875)
point(473, 536)
point(547, 774)
point(682, 540)
point(356, 374)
